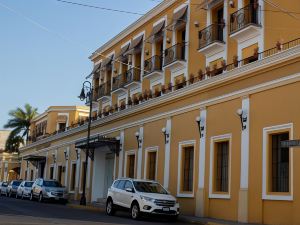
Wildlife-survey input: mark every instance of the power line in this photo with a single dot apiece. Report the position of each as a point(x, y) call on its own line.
point(101, 8)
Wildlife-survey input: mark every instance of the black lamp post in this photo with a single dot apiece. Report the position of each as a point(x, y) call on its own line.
point(87, 95)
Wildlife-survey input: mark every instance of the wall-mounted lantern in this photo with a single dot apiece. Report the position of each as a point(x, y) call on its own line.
point(138, 139)
point(243, 118)
point(54, 157)
point(200, 127)
point(166, 134)
point(66, 155)
point(231, 4)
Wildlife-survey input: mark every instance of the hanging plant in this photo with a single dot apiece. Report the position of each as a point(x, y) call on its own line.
point(192, 78)
point(163, 89)
point(235, 60)
point(129, 101)
point(208, 72)
point(200, 74)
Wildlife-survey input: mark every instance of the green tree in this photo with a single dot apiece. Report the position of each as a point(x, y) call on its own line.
point(19, 122)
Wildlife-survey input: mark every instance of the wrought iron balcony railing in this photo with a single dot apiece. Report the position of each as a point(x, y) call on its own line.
point(153, 64)
point(249, 15)
point(104, 89)
point(119, 81)
point(211, 34)
point(174, 53)
point(133, 74)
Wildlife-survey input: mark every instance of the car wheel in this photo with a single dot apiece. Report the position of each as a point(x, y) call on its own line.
point(17, 195)
point(9, 195)
point(31, 197)
point(41, 197)
point(135, 211)
point(110, 207)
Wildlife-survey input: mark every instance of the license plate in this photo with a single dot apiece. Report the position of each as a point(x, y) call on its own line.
point(165, 209)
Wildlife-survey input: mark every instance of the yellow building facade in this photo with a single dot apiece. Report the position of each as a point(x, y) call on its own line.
point(198, 95)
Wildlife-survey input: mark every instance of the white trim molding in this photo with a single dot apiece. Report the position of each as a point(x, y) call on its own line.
point(213, 140)
point(266, 132)
point(181, 146)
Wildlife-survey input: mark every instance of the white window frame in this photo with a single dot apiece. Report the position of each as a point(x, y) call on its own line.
point(266, 132)
point(213, 141)
point(147, 151)
point(181, 146)
point(127, 153)
point(70, 179)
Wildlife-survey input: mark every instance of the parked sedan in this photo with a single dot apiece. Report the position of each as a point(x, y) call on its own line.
point(13, 187)
point(24, 190)
point(48, 189)
point(3, 188)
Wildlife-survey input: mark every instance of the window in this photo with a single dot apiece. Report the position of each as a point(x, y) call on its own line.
point(59, 174)
point(130, 165)
point(128, 184)
point(51, 175)
point(279, 163)
point(61, 126)
point(188, 168)
point(151, 171)
point(121, 184)
point(115, 185)
point(25, 176)
point(73, 177)
point(221, 166)
point(31, 174)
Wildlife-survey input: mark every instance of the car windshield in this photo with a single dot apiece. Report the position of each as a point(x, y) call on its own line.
point(4, 184)
point(51, 183)
point(16, 183)
point(149, 187)
point(28, 184)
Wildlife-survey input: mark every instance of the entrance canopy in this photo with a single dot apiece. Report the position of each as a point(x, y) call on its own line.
point(100, 141)
point(35, 159)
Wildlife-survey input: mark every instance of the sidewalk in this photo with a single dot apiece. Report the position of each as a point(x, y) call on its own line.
point(100, 207)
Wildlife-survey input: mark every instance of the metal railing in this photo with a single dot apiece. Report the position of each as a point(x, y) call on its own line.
point(211, 34)
point(174, 53)
point(119, 81)
point(133, 74)
point(249, 15)
point(104, 89)
point(153, 64)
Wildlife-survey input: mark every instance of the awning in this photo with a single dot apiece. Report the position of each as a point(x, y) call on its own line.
point(100, 141)
point(123, 50)
point(179, 18)
point(106, 61)
point(135, 45)
point(156, 32)
point(35, 159)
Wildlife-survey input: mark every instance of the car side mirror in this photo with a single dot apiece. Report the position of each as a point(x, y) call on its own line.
point(129, 190)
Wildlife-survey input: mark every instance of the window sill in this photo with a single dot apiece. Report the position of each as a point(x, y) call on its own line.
point(185, 195)
point(219, 196)
point(278, 197)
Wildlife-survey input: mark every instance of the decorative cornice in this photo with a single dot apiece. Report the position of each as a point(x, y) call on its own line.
point(188, 90)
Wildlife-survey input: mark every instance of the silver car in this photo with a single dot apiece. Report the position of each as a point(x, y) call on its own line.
point(3, 188)
point(24, 190)
point(48, 190)
point(13, 187)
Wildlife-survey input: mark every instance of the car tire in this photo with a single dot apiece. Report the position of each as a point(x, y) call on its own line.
point(110, 208)
point(41, 197)
point(17, 195)
point(31, 196)
point(9, 194)
point(135, 211)
point(174, 218)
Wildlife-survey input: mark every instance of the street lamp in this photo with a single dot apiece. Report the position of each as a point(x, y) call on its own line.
point(87, 95)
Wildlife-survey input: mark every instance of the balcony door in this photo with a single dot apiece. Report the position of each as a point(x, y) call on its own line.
point(220, 16)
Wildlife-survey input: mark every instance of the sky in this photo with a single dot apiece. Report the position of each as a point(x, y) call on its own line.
point(45, 45)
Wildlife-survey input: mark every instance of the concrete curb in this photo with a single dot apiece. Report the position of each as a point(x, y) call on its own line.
point(87, 207)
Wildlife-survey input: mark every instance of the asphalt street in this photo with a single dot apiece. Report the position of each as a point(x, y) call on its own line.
point(16, 212)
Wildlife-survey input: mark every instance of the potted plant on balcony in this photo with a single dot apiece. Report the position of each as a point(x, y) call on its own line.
point(192, 78)
point(122, 106)
point(170, 86)
point(157, 92)
point(279, 45)
point(99, 114)
point(255, 53)
point(129, 101)
point(200, 75)
point(149, 94)
point(141, 99)
point(207, 70)
point(224, 65)
point(235, 61)
point(163, 89)
point(145, 95)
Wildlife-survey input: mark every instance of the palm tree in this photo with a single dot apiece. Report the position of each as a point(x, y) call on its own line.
point(13, 144)
point(19, 123)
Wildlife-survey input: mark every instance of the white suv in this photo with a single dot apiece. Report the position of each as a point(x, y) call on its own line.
point(141, 197)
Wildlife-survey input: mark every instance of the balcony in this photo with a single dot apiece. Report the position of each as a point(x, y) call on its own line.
point(104, 90)
point(118, 83)
point(153, 68)
point(174, 57)
point(211, 40)
point(245, 23)
point(133, 78)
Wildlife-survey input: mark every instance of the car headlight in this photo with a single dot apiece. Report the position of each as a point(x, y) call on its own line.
point(148, 199)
